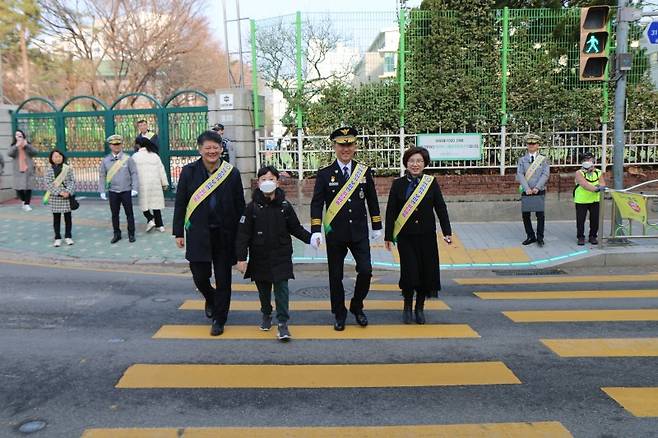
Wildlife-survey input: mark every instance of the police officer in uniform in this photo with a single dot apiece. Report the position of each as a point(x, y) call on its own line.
point(532, 174)
point(346, 228)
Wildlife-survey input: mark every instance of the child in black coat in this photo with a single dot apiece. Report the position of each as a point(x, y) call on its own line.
point(264, 233)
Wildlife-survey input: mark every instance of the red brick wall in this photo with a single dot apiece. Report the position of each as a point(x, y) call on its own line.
point(455, 185)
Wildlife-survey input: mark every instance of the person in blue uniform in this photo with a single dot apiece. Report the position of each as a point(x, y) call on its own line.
point(347, 189)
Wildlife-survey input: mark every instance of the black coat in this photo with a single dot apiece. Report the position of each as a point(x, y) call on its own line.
point(229, 207)
point(422, 220)
point(351, 222)
point(417, 241)
point(264, 233)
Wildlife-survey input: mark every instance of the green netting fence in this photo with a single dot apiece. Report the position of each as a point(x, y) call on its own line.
point(437, 71)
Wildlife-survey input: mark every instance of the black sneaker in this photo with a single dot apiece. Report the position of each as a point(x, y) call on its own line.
point(284, 333)
point(266, 324)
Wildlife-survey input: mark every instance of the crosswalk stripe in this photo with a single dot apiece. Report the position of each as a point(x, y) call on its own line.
point(553, 429)
point(568, 295)
point(582, 315)
point(630, 347)
point(317, 305)
point(411, 331)
point(375, 287)
point(555, 279)
point(641, 402)
point(316, 376)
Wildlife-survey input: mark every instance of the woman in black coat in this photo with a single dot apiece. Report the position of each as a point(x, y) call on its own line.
point(416, 239)
point(265, 229)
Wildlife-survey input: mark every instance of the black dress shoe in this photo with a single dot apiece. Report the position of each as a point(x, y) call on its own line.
point(529, 240)
point(339, 325)
point(208, 309)
point(361, 319)
point(116, 238)
point(131, 238)
point(216, 329)
point(420, 316)
point(406, 316)
point(540, 242)
point(593, 241)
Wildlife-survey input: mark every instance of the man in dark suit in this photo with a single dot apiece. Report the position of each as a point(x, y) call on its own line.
point(345, 187)
point(209, 204)
point(144, 131)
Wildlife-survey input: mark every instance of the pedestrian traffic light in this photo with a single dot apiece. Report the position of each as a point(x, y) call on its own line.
point(594, 36)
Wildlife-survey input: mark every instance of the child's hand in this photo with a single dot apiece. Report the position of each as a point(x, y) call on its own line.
point(242, 266)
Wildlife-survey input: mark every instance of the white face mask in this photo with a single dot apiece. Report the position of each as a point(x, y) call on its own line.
point(267, 186)
point(587, 165)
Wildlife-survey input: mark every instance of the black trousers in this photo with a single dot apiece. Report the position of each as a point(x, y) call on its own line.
point(527, 223)
point(336, 252)
point(157, 215)
point(116, 201)
point(581, 215)
point(409, 299)
point(220, 295)
point(24, 195)
point(57, 224)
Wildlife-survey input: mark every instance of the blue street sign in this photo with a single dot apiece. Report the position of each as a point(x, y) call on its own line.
point(652, 32)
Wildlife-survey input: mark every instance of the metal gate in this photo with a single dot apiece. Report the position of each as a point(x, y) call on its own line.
point(80, 131)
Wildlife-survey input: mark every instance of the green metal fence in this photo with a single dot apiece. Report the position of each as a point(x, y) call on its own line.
point(448, 71)
point(81, 125)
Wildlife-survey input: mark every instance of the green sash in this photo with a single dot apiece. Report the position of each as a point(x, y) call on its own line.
point(114, 169)
point(56, 183)
point(414, 200)
point(532, 169)
point(343, 195)
point(205, 189)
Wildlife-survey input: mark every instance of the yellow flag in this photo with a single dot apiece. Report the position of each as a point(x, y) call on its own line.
point(631, 206)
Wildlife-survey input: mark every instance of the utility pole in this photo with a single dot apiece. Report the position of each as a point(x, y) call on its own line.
point(621, 51)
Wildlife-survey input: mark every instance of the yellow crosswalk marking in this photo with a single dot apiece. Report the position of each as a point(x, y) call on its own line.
point(641, 402)
point(543, 429)
point(568, 295)
point(631, 347)
point(582, 315)
point(411, 331)
point(316, 376)
point(486, 281)
point(317, 305)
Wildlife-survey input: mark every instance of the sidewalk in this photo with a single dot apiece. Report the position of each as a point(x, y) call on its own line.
point(482, 245)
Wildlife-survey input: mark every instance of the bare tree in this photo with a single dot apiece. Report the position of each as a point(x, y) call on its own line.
point(276, 46)
point(124, 45)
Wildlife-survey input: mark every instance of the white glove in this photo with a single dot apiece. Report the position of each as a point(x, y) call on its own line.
point(316, 240)
point(376, 235)
point(133, 193)
point(103, 196)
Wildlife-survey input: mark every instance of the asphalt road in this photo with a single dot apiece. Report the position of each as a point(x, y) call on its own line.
point(67, 336)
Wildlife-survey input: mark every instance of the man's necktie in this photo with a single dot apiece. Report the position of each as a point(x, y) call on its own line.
point(411, 187)
point(532, 159)
point(346, 173)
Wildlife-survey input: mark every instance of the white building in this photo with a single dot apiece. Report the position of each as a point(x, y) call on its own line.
point(381, 59)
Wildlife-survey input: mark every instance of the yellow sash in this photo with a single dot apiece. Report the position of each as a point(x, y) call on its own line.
point(414, 200)
point(56, 183)
point(205, 189)
point(532, 169)
point(114, 169)
point(343, 195)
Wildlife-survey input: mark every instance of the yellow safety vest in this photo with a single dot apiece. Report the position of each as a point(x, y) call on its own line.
point(583, 196)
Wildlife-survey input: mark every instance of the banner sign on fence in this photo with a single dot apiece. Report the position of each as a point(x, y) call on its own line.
point(451, 147)
point(631, 206)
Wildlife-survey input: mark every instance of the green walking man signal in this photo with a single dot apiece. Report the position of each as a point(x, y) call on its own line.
point(593, 44)
point(594, 34)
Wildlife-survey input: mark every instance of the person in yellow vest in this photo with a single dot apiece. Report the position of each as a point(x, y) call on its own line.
point(411, 224)
point(586, 196)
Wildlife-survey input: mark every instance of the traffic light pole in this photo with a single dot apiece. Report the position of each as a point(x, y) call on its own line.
point(620, 100)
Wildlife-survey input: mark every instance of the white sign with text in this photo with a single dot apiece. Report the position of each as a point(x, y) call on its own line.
point(451, 147)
